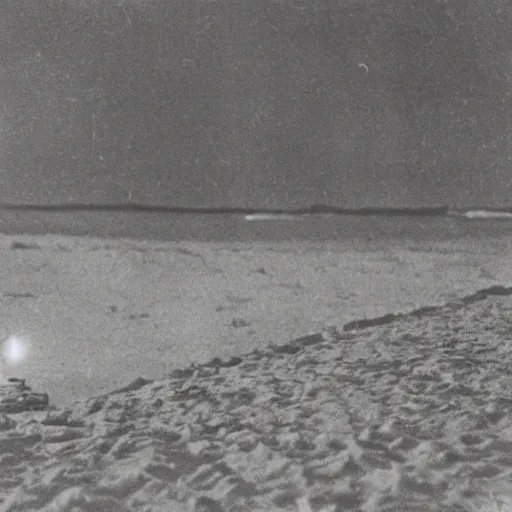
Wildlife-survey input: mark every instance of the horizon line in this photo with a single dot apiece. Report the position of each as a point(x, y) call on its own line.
point(312, 209)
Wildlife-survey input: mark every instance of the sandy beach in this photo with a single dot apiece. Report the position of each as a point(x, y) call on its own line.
point(412, 414)
point(96, 313)
point(177, 386)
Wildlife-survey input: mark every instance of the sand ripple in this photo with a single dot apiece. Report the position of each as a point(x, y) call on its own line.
point(412, 415)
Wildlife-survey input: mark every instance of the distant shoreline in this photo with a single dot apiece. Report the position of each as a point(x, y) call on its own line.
point(252, 213)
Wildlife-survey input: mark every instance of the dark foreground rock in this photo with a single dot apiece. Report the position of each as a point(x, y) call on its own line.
point(17, 397)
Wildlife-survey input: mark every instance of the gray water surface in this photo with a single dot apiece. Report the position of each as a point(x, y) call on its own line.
point(235, 228)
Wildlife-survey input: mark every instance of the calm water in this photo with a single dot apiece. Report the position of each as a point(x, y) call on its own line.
point(222, 228)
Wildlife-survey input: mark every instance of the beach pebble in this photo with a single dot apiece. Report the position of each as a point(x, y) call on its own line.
point(134, 385)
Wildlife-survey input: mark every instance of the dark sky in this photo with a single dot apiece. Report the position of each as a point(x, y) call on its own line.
point(262, 103)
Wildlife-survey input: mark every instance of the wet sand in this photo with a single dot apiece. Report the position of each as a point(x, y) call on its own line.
point(100, 313)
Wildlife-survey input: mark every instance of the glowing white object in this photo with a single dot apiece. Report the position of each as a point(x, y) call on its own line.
point(14, 350)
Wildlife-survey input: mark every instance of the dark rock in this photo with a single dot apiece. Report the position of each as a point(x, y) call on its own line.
point(232, 361)
point(497, 290)
point(287, 349)
point(215, 362)
point(311, 339)
point(22, 245)
point(20, 295)
point(239, 322)
point(136, 384)
point(182, 373)
point(475, 297)
point(95, 405)
point(16, 397)
point(371, 322)
point(133, 316)
point(425, 311)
